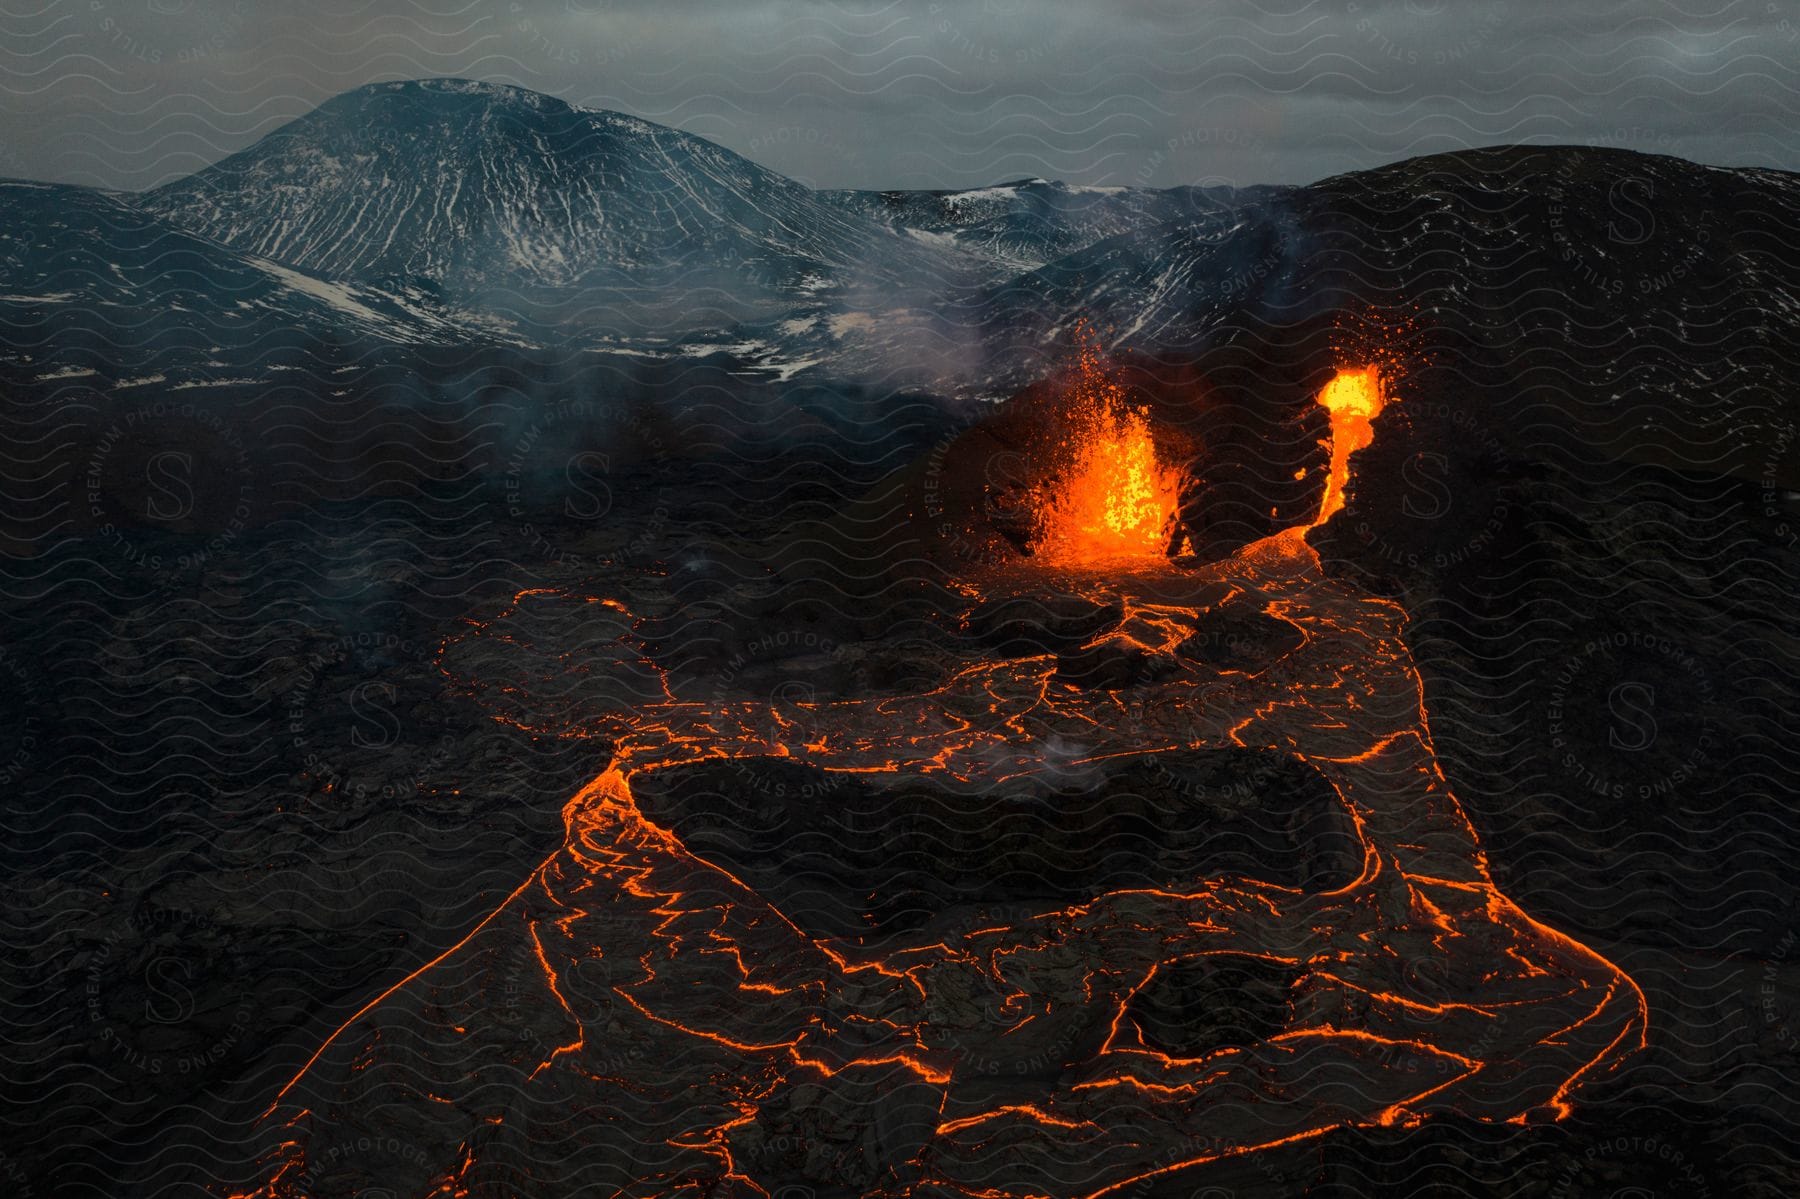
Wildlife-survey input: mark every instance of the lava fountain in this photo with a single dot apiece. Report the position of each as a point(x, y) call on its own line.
point(1354, 398)
point(1116, 500)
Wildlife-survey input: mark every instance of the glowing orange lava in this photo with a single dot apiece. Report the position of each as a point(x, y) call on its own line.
point(1116, 500)
point(1354, 397)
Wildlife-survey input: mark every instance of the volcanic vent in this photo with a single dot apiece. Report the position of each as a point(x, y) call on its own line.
point(1110, 494)
point(1120, 479)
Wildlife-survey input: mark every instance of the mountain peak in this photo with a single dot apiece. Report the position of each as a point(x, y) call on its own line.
point(449, 90)
point(451, 85)
point(450, 96)
point(489, 188)
point(426, 98)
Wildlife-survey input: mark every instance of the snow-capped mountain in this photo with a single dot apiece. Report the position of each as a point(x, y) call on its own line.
point(600, 229)
point(498, 194)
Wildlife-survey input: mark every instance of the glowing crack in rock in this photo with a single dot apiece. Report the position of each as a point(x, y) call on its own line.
point(636, 1020)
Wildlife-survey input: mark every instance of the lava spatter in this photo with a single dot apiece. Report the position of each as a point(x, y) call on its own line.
point(1113, 498)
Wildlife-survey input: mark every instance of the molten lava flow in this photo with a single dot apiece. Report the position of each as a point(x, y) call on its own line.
point(1354, 397)
point(1115, 499)
point(664, 1029)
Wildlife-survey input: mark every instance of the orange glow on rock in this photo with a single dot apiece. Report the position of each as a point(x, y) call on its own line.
point(1116, 499)
point(1354, 398)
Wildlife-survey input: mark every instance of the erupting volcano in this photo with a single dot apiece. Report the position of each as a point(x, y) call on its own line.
point(669, 1029)
point(549, 658)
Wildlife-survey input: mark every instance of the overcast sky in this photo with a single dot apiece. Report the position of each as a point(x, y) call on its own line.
point(932, 93)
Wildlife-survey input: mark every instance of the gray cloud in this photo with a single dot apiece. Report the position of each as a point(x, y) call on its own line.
point(929, 93)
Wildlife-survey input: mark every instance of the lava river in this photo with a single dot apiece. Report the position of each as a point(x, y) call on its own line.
point(635, 1020)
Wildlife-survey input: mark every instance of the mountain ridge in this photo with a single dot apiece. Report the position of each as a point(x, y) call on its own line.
point(492, 191)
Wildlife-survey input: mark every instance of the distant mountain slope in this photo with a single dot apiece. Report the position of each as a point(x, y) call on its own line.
point(1025, 224)
point(1677, 262)
point(1611, 232)
point(494, 192)
point(1678, 268)
point(90, 282)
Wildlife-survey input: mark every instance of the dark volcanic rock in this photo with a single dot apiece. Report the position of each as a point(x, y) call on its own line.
point(1020, 626)
point(845, 857)
point(1113, 663)
point(1240, 638)
point(1197, 1005)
